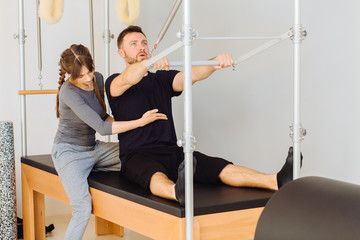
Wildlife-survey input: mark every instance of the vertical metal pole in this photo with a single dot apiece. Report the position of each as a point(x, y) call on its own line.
point(107, 40)
point(91, 20)
point(21, 38)
point(297, 39)
point(188, 138)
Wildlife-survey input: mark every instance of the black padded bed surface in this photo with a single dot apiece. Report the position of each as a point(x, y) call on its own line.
point(208, 198)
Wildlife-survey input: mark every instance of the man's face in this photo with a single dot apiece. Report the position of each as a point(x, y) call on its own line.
point(134, 48)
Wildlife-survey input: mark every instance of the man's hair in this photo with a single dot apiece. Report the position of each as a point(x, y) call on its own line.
point(129, 29)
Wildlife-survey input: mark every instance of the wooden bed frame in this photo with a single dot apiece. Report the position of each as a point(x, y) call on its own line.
point(118, 204)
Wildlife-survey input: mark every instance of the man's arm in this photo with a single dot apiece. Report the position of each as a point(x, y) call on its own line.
point(132, 75)
point(202, 72)
point(129, 77)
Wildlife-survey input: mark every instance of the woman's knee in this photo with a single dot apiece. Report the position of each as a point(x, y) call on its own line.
point(82, 210)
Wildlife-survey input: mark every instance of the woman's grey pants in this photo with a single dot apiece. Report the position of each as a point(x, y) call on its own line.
point(73, 164)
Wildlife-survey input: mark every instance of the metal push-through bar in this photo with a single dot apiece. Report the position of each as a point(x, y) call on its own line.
point(164, 53)
point(242, 58)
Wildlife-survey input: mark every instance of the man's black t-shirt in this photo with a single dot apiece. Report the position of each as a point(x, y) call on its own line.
point(154, 91)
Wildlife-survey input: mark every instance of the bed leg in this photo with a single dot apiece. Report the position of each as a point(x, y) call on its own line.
point(103, 227)
point(33, 212)
point(39, 209)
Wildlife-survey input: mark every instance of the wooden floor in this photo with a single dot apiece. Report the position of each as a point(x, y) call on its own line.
point(61, 222)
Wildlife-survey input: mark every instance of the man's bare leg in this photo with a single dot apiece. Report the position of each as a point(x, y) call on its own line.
point(162, 186)
point(238, 176)
point(244, 177)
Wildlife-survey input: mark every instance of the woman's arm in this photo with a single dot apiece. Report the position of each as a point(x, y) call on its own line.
point(109, 126)
point(148, 117)
point(84, 112)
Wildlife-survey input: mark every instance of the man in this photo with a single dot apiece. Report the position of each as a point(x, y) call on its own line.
point(150, 156)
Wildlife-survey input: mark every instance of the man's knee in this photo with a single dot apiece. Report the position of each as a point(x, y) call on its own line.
point(160, 185)
point(227, 170)
point(157, 180)
point(158, 177)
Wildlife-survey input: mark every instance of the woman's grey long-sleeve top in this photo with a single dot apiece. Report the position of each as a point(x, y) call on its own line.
point(81, 114)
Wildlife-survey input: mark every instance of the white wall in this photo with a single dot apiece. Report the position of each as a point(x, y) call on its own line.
point(242, 115)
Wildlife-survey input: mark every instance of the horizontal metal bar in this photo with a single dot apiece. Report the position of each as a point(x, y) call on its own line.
point(236, 38)
point(194, 63)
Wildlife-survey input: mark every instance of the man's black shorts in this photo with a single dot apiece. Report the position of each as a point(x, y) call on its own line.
point(140, 165)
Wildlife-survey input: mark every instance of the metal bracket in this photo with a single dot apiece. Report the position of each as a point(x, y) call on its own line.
point(194, 34)
point(301, 133)
point(107, 36)
point(297, 33)
point(181, 143)
point(20, 36)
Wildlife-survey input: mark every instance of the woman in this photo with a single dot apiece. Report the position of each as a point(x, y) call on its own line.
point(81, 111)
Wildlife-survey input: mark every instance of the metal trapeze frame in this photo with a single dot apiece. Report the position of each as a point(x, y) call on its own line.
point(296, 34)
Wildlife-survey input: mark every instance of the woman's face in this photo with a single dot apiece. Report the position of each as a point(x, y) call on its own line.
point(85, 78)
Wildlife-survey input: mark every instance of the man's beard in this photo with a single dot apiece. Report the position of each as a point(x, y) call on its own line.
point(131, 60)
